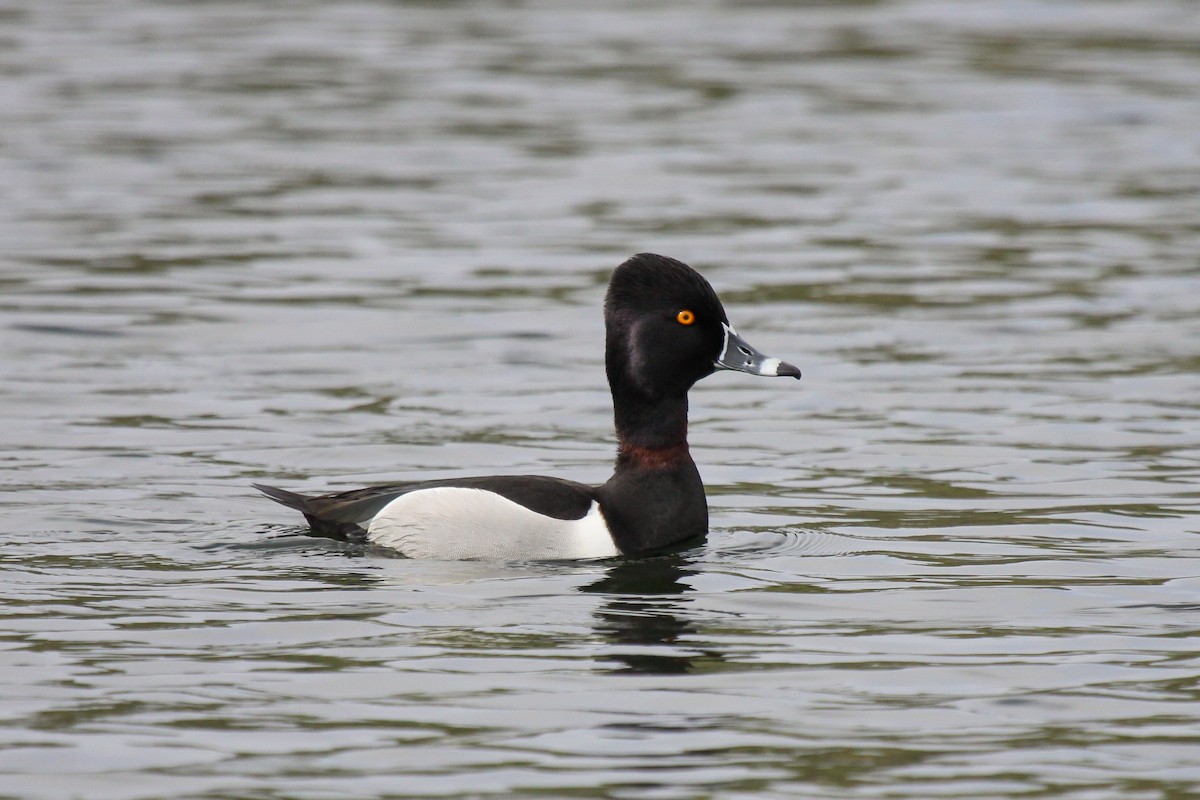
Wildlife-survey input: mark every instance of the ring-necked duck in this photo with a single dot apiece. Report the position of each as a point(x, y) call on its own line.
point(665, 330)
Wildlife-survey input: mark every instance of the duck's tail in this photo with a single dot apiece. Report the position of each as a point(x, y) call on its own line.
point(304, 505)
point(321, 512)
point(289, 499)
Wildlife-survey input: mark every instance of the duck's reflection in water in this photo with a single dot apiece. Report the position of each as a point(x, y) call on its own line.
point(645, 616)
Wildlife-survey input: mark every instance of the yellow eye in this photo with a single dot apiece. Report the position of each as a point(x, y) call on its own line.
point(685, 317)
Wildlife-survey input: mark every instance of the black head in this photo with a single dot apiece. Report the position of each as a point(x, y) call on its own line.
point(665, 326)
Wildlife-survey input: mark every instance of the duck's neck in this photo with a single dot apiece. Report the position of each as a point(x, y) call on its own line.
point(655, 498)
point(649, 425)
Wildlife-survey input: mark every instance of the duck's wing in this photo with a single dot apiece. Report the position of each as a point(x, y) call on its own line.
point(346, 515)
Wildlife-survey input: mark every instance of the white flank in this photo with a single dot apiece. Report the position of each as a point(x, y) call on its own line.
point(454, 523)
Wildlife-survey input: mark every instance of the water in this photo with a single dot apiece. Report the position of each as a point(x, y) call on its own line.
point(325, 244)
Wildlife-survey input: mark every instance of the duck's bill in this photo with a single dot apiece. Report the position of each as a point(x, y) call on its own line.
point(737, 354)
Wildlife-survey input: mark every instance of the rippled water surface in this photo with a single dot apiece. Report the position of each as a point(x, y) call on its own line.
point(326, 244)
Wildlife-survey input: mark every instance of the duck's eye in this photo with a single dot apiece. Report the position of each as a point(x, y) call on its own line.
point(685, 317)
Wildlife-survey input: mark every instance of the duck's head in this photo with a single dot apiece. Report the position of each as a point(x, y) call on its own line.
point(666, 329)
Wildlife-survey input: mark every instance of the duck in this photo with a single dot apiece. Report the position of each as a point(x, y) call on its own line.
point(665, 329)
